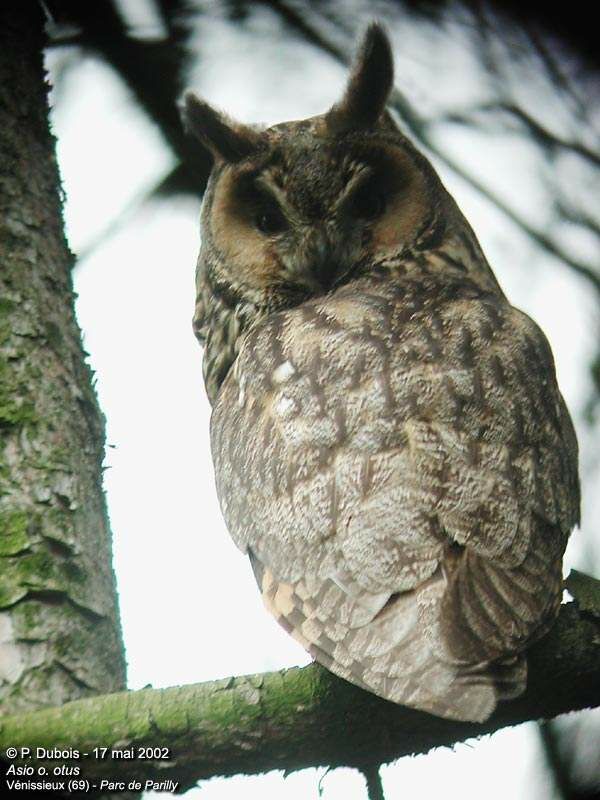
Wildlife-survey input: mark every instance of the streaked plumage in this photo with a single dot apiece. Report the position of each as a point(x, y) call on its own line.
point(391, 448)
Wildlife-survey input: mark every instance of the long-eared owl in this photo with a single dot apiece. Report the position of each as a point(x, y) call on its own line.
point(391, 448)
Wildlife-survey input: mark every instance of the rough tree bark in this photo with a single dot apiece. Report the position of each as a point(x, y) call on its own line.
point(60, 635)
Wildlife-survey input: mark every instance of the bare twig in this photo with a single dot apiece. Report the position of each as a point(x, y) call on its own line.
point(373, 779)
point(556, 765)
point(546, 138)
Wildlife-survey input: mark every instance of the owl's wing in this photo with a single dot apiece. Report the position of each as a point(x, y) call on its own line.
point(404, 477)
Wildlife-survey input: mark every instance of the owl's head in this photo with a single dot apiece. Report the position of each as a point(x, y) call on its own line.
point(304, 207)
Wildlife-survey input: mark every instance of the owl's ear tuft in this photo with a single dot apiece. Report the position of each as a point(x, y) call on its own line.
point(368, 87)
point(226, 139)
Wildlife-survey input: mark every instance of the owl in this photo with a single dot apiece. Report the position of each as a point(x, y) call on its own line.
point(391, 448)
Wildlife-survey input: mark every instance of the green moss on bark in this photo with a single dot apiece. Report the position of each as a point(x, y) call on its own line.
point(15, 407)
point(57, 589)
point(14, 532)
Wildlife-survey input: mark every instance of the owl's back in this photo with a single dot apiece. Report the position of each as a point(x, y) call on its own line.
point(397, 459)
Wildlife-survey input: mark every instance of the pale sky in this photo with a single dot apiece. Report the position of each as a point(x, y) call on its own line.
point(190, 607)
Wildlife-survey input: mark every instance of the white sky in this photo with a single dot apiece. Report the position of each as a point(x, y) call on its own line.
point(191, 610)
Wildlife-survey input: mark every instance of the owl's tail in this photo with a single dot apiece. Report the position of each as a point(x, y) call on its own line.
point(403, 647)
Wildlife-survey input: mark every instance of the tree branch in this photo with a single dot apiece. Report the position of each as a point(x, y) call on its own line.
point(298, 718)
point(374, 785)
point(538, 133)
point(556, 764)
point(151, 70)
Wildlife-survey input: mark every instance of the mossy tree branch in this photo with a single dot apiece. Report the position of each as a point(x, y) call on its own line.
point(299, 717)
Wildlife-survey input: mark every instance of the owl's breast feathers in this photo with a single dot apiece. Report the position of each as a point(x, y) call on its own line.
point(399, 463)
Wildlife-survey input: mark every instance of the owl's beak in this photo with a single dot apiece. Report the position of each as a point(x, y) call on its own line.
point(324, 263)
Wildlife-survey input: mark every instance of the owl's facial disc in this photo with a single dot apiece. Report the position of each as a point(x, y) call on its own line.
point(302, 207)
point(306, 217)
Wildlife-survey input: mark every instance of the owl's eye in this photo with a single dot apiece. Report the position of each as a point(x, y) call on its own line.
point(269, 221)
point(368, 203)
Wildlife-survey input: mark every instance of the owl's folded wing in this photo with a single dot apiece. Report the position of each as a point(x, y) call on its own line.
point(406, 522)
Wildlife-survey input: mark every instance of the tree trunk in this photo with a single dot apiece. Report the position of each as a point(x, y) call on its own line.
point(60, 636)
